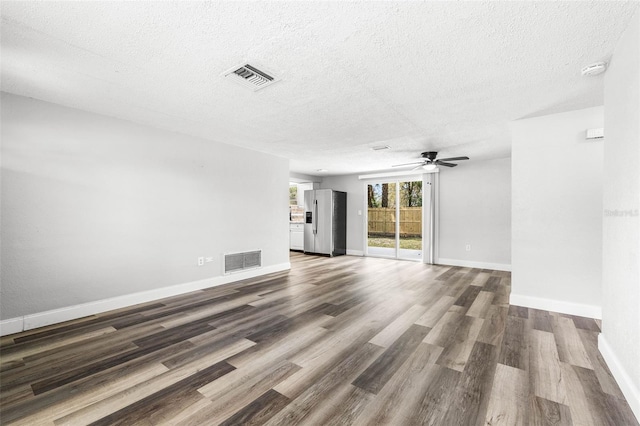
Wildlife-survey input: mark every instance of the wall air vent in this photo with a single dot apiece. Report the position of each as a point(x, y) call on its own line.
point(595, 133)
point(236, 262)
point(250, 76)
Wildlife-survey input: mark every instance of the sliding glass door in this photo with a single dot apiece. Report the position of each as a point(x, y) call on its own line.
point(381, 219)
point(394, 219)
point(410, 220)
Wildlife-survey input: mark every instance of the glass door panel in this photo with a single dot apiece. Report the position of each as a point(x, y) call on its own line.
point(410, 214)
point(381, 219)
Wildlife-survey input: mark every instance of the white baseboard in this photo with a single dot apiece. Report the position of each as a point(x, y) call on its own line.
point(11, 326)
point(628, 388)
point(579, 309)
point(355, 252)
point(472, 264)
point(41, 319)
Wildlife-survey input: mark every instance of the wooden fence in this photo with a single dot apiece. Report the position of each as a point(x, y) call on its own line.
point(382, 221)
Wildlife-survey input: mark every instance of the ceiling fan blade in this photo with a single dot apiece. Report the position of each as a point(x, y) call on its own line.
point(442, 163)
point(419, 167)
point(454, 159)
point(408, 164)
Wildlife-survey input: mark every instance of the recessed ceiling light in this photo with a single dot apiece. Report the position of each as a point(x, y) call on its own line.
point(321, 170)
point(594, 69)
point(381, 147)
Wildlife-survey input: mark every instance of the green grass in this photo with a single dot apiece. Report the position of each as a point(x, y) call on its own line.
point(410, 243)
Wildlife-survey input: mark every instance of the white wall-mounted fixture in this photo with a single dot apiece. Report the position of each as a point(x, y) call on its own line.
point(594, 69)
point(595, 133)
point(251, 77)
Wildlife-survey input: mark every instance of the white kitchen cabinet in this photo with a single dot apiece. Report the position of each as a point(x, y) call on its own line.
point(296, 236)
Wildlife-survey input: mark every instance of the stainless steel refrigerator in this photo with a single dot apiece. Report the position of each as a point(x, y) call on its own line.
point(325, 222)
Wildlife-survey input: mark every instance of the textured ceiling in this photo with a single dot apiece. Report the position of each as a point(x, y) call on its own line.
point(443, 76)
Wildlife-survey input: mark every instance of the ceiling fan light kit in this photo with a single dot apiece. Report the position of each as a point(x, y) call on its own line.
point(429, 167)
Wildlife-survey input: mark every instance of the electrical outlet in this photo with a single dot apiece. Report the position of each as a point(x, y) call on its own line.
point(200, 261)
point(467, 247)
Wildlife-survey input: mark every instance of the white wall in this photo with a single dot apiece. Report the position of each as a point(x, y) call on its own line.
point(557, 213)
point(355, 202)
point(478, 213)
point(475, 209)
point(620, 338)
point(94, 207)
point(303, 178)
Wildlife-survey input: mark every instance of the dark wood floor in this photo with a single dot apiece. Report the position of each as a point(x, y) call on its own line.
point(335, 341)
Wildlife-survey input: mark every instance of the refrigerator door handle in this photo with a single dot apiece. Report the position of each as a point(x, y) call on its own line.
point(315, 218)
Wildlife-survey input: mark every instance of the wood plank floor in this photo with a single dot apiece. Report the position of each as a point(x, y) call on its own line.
point(334, 341)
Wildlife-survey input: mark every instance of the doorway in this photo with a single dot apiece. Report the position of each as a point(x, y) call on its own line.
point(394, 219)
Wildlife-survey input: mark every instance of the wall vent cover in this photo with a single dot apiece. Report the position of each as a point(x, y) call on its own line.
point(250, 76)
point(236, 262)
point(595, 133)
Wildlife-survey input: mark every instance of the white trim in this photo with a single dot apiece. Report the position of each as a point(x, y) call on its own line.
point(628, 388)
point(365, 219)
point(431, 181)
point(561, 306)
point(473, 264)
point(396, 174)
point(355, 252)
point(11, 326)
point(380, 256)
point(41, 319)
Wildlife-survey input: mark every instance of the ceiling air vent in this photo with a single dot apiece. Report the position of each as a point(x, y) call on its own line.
point(250, 76)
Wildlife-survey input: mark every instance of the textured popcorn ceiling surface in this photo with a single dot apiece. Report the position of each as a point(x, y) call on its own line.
point(444, 76)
